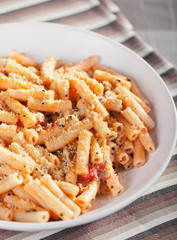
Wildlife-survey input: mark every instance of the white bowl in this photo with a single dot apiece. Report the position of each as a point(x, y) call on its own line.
point(41, 40)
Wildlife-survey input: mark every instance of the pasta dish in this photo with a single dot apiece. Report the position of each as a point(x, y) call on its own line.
point(66, 131)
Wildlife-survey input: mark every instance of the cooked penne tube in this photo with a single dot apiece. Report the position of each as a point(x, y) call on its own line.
point(13, 83)
point(49, 105)
point(96, 153)
point(88, 195)
point(49, 199)
point(132, 118)
point(115, 80)
point(53, 187)
point(94, 85)
point(10, 182)
point(7, 130)
point(61, 87)
point(68, 188)
point(141, 103)
point(16, 161)
point(99, 125)
point(89, 96)
point(5, 169)
point(128, 165)
point(23, 94)
point(121, 156)
point(128, 146)
point(47, 70)
point(85, 64)
point(8, 117)
point(24, 59)
point(147, 142)
point(138, 154)
point(31, 216)
point(20, 192)
point(83, 152)
point(71, 176)
point(6, 214)
point(27, 118)
point(114, 185)
point(129, 101)
point(16, 202)
point(131, 131)
point(13, 66)
point(67, 136)
point(112, 104)
point(58, 129)
point(31, 135)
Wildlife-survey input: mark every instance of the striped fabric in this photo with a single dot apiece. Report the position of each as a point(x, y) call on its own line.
point(154, 215)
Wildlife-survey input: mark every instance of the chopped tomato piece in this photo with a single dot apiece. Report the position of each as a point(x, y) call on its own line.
point(95, 173)
point(3, 70)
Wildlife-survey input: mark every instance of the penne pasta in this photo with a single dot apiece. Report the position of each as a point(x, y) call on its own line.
point(10, 182)
point(66, 130)
point(83, 152)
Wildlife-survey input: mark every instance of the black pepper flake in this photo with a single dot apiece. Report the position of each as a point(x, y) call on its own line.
point(91, 180)
point(93, 199)
point(118, 80)
point(97, 152)
point(56, 113)
point(105, 181)
point(61, 214)
point(129, 80)
point(19, 114)
point(36, 169)
point(119, 192)
point(112, 153)
point(42, 102)
point(128, 166)
point(80, 97)
point(70, 116)
point(24, 115)
point(112, 186)
point(13, 194)
point(38, 131)
point(66, 95)
point(113, 148)
point(76, 110)
point(8, 194)
point(42, 175)
point(24, 166)
point(62, 125)
point(37, 83)
point(43, 90)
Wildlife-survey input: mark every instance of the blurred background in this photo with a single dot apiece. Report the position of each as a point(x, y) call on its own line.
point(156, 23)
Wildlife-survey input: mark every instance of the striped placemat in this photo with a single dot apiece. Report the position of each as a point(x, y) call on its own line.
point(154, 215)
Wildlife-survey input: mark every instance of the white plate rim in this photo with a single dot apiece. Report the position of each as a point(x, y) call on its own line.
point(20, 226)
